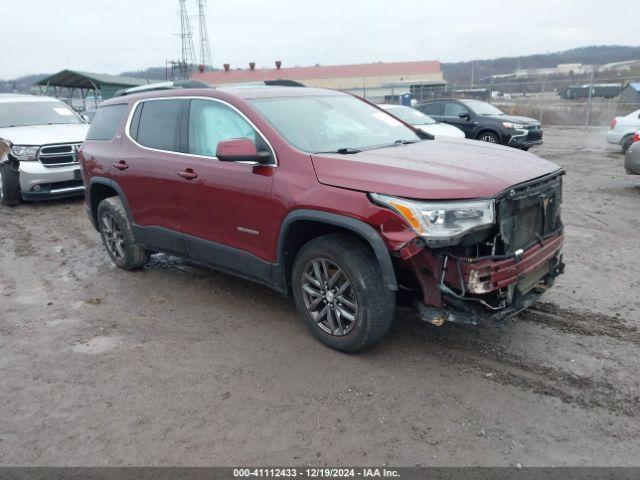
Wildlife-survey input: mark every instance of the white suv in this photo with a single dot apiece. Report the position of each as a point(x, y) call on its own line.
point(44, 135)
point(622, 130)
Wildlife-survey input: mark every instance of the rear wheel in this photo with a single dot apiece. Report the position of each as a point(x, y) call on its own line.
point(488, 137)
point(626, 143)
point(338, 290)
point(9, 185)
point(117, 235)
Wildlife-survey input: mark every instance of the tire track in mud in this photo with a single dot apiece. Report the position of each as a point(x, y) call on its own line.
point(465, 349)
point(581, 323)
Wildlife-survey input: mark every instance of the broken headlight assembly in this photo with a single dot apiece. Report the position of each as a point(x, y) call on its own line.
point(444, 223)
point(24, 153)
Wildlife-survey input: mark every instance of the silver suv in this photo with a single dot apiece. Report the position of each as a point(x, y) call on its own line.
point(43, 135)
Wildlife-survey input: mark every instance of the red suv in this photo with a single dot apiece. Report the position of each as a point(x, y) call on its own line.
point(324, 196)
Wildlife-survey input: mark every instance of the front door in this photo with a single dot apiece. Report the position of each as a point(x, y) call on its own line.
point(225, 206)
point(452, 112)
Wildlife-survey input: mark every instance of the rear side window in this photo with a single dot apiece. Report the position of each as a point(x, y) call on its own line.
point(106, 121)
point(435, 108)
point(159, 124)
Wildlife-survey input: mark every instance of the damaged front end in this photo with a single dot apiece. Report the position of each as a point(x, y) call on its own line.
point(494, 271)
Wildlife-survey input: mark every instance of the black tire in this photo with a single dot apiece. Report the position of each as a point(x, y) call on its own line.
point(525, 149)
point(626, 143)
point(488, 137)
point(117, 236)
point(9, 185)
point(375, 303)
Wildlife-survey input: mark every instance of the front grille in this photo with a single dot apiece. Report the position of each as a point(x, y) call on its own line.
point(529, 213)
point(58, 155)
point(534, 134)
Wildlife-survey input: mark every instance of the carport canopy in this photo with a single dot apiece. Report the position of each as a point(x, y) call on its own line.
point(103, 85)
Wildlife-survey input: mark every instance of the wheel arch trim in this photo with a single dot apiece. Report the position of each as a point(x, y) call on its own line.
point(93, 209)
point(358, 227)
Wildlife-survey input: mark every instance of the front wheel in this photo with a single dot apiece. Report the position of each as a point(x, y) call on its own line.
point(9, 185)
point(489, 137)
point(117, 235)
point(338, 291)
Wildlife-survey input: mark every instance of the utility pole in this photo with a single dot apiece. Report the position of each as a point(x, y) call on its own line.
point(472, 71)
point(188, 59)
point(205, 47)
point(586, 121)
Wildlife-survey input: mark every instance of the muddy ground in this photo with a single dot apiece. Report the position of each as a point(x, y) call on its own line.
point(178, 365)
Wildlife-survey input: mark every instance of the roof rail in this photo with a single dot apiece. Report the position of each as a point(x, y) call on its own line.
point(162, 86)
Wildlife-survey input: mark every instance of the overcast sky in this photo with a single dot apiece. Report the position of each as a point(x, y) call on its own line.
point(42, 36)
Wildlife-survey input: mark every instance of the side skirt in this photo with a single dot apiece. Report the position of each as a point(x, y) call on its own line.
point(211, 254)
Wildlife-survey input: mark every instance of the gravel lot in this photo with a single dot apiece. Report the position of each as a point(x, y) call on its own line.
point(178, 365)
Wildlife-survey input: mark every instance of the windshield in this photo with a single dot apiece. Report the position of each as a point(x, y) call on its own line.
point(330, 123)
point(410, 115)
point(482, 108)
point(20, 114)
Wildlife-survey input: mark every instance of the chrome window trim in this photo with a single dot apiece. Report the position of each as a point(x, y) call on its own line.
point(187, 97)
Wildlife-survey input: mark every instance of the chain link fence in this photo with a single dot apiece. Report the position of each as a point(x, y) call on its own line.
point(553, 102)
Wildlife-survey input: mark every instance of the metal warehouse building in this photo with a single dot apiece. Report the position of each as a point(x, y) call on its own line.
point(379, 80)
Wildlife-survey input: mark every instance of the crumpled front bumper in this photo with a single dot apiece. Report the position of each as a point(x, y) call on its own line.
point(459, 289)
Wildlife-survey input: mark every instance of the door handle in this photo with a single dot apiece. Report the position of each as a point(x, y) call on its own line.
point(188, 174)
point(121, 165)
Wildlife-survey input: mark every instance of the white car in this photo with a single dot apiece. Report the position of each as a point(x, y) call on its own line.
point(423, 122)
point(622, 130)
point(44, 135)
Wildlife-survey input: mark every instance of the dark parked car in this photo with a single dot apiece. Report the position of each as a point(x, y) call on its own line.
point(482, 121)
point(321, 195)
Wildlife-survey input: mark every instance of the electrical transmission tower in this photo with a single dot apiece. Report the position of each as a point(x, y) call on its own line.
point(205, 47)
point(186, 40)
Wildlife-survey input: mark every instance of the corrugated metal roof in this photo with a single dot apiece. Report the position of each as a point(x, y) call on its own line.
point(318, 72)
point(78, 79)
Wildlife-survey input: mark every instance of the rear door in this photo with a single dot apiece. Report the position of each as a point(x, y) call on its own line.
point(147, 171)
point(226, 209)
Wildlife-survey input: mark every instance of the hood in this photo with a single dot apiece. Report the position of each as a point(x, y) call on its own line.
point(45, 134)
point(514, 119)
point(440, 129)
point(448, 168)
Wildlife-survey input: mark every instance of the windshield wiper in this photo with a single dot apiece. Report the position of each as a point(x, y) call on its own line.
point(344, 151)
point(404, 142)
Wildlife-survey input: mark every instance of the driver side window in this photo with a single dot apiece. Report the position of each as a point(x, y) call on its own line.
point(453, 109)
point(210, 122)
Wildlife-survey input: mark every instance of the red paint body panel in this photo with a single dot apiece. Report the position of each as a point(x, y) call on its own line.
point(433, 170)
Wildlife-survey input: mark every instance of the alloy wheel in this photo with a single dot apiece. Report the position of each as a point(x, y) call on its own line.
point(329, 296)
point(487, 138)
point(113, 237)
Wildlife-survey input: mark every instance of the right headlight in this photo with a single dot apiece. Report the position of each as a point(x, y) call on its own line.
point(24, 153)
point(441, 223)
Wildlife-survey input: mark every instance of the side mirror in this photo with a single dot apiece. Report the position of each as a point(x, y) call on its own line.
point(240, 150)
point(464, 115)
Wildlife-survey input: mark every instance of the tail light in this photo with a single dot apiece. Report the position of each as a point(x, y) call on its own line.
point(636, 137)
point(613, 124)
